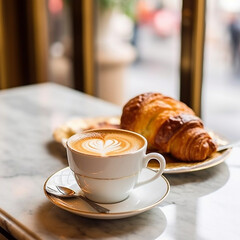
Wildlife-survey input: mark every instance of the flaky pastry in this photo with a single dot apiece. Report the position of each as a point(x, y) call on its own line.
point(169, 126)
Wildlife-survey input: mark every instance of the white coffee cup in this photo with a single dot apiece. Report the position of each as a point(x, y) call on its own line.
point(107, 163)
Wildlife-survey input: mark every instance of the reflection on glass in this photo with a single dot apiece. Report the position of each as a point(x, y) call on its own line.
point(60, 65)
point(221, 86)
point(138, 48)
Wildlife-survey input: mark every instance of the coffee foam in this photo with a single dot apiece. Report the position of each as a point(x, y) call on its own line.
point(108, 143)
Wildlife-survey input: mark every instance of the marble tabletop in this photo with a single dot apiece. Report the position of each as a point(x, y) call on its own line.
point(201, 205)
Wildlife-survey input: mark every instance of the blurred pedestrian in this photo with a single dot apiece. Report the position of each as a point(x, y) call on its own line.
point(234, 30)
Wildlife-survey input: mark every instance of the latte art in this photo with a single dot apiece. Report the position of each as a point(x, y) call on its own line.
point(107, 144)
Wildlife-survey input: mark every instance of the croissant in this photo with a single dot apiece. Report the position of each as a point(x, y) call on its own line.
point(169, 126)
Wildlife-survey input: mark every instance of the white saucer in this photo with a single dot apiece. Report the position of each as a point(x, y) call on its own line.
point(140, 200)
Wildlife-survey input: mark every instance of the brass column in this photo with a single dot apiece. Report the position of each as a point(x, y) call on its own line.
point(192, 51)
point(83, 45)
point(23, 42)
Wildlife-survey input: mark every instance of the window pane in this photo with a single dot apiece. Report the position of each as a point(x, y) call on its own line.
point(221, 88)
point(138, 48)
point(60, 42)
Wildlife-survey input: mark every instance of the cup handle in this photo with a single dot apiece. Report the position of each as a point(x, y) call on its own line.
point(162, 163)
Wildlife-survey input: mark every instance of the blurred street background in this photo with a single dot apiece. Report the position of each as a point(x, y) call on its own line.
point(154, 35)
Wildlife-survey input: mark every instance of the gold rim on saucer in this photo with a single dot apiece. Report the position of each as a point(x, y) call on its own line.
point(117, 210)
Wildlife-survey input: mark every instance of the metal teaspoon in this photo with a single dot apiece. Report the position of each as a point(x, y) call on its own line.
point(67, 193)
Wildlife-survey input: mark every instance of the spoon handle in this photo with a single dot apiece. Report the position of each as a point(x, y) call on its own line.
point(223, 147)
point(97, 207)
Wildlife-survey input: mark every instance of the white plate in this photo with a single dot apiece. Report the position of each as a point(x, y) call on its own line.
point(140, 200)
point(172, 165)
